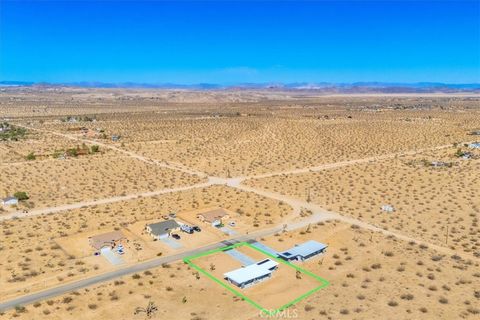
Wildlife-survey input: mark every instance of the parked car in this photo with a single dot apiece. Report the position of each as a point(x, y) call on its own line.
point(120, 249)
point(175, 236)
point(196, 228)
point(187, 229)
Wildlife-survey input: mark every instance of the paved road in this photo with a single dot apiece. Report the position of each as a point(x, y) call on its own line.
point(155, 263)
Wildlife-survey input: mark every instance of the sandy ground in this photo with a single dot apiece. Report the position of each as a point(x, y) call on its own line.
point(371, 276)
point(247, 146)
point(229, 134)
point(68, 181)
point(445, 197)
point(42, 245)
point(282, 288)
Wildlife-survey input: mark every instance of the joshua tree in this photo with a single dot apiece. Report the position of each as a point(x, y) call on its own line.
point(149, 311)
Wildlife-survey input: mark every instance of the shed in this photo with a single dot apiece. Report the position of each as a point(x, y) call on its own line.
point(251, 274)
point(303, 251)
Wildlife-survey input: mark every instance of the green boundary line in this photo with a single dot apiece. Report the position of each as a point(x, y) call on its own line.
point(324, 283)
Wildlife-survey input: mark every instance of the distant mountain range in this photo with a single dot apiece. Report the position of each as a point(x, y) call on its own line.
point(355, 87)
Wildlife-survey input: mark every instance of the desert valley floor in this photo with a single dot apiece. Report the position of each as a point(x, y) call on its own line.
point(391, 183)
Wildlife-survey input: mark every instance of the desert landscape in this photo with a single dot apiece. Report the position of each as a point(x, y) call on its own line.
point(389, 182)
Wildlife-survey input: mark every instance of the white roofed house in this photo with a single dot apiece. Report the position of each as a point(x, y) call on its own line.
point(303, 251)
point(474, 145)
point(251, 274)
point(387, 208)
point(9, 201)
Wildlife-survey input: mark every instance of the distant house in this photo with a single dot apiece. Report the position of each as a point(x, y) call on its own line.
point(214, 217)
point(109, 239)
point(439, 164)
point(387, 208)
point(251, 274)
point(90, 133)
point(303, 251)
point(9, 201)
point(82, 152)
point(163, 229)
point(115, 137)
point(474, 145)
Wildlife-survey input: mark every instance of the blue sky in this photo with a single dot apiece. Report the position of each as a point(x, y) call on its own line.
point(232, 42)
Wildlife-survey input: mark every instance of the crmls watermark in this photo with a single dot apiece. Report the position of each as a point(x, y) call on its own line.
point(275, 314)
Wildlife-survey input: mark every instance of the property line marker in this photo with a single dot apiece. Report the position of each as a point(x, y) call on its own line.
point(324, 283)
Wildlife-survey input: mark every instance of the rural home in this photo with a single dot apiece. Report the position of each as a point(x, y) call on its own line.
point(109, 239)
point(9, 201)
point(251, 274)
point(475, 145)
point(387, 208)
point(163, 229)
point(303, 251)
point(213, 217)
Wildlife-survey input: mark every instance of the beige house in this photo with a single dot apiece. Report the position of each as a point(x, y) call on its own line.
point(109, 239)
point(213, 217)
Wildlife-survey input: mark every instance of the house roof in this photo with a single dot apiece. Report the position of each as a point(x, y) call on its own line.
point(253, 271)
point(163, 227)
point(304, 249)
point(105, 239)
point(213, 215)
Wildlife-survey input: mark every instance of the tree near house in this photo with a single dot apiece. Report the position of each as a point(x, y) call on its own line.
point(149, 311)
point(21, 195)
point(95, 148)
point(31, 156)
point(298, 275)
point(72, 152)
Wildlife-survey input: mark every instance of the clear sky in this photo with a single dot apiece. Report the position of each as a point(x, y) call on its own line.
point(232, 42)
